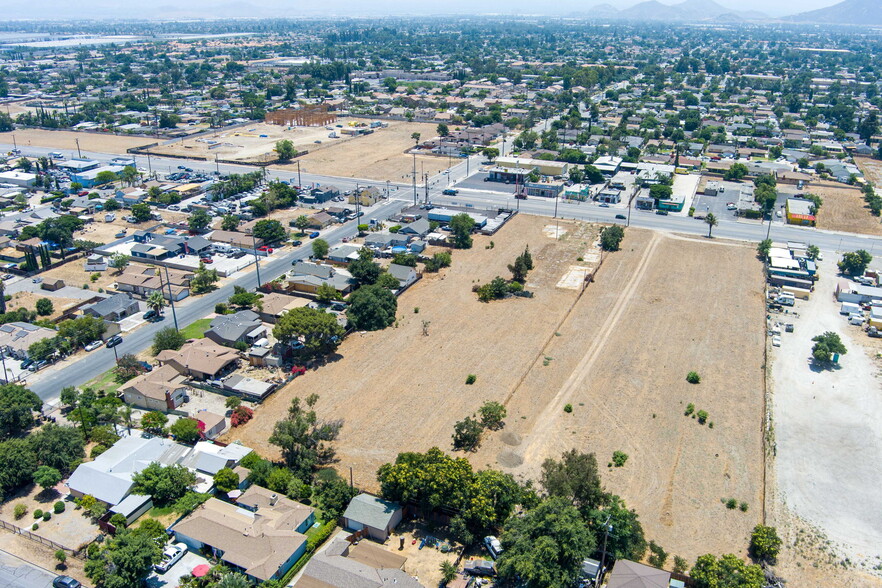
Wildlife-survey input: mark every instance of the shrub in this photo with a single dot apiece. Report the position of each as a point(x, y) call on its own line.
point(34, 527)
point(568, 408)
point(690, 408)
point(492, 415)
point(764, 543)
point(97, 450)
point(241, 415)
point(20, 510)
point(743, 507)
point(118, 520)
point(60, 556)
point(731, 504)
point(471, 379)
point(467, 434)
point(58, 507)
point(702, 416)
point(38, 513)
point(658, 555)
point(220, 308)
point(693, 377)
point(680, 564)
point(619, 459)
point(47, 515)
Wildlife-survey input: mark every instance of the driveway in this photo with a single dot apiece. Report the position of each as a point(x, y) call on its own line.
point(171, 579)
point(17, 573)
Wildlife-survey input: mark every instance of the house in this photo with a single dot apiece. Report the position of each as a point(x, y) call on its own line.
point(156, 247)
point(366, 196)
point(306, 277)
point(132, 507)
point(343, 253)
point(109, 476)
point(261, 536)
point(128, 197)
point(629, 574)
point(200, 359)
point(208, 458)
point(161, 389)
point(243, 326)
point(418, 228)
point(52, 284)
point(95, 263)
point(320, 220)
point(248, 388)
point(143, 280)
point(319, 195)
point(236, 239)
point(16, 338)
point(373, 515)
point(113, 308)
point(405, 275)
point(349, 565)
point(275, 304)
point(212, 425)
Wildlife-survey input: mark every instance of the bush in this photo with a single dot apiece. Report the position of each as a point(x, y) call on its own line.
point(97, 450)
point(568, 408)
point(764, 543)
point(118, 520)
point(20, 511)
point(241, 415)
point(690, 408)
point(38, 514)
point(611, 237)
point(220, 308)
point(693, 378)
point(731, 504)
point(619, 459)
point(702, 416)
point(61, 556)
point(471, 379)
point(34, 527)
point(743, 507)
point(467, 434)
point(58, 507)
point(658, 555)
point(680, 564)
point(47, 515)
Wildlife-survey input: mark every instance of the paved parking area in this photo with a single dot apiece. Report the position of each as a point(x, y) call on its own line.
point(171, 579)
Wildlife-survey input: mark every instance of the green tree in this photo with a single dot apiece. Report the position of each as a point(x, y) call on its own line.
point(17, 407)
point(271, 231)
point(711, 221)
point(154, 422)
point(764, 544)
point(611, 237)
point(492, 415)
point(44, 307)
point(545, 547)
point(735, 173)
point(125, 560)
point(141, 212)
point(467, 434)
point(107, 177)
point(763, 248)
point(442, 130)
point(244, 299)
point(726, 572)
point(230, 222)
point(301, 222)
point(334, 495)
point(320, 332)
point(198, 220)
point(826, 344)
point(448, 572)
point(285, 150)
point(46, 477)
point(156, 301)
point(855, 263)
point(17, 465)
point(226, 480)
point(364, 269)
point(303, 438)
point(593, 175)
point(627, 540)
point(167, 338)
point(326, 293)
point(119, 261)
point(320, 248)
point(490, 152)
point(81, 331)
point(813, 252)
point(68, 396)
point(203, 280)
point(372, 308)
point(461, 226)
point(575, 478)
point(186, 430)
point(165, 484)
point(61, 448)
point(660, 192)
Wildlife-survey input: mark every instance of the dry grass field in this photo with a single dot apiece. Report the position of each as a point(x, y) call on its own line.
point(65, 141)
point(380, 156)
point(619, 354)
point(844, 209)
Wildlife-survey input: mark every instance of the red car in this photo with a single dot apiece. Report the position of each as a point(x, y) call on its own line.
point(206, 260)
point(265, 248)
point(82, 193)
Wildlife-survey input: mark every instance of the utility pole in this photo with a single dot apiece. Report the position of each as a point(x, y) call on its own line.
point(606, 529)
point(79, 153)
point(149, 167)
point(216, 164)
point(256, 259)
point(171, 298)
point(414, 180)
point(426, 182)
point(299, 179)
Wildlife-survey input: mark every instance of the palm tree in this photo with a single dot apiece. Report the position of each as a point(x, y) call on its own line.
point(711, 221)
point(155, 301)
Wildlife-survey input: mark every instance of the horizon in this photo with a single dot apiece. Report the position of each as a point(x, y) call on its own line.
point(247, 9)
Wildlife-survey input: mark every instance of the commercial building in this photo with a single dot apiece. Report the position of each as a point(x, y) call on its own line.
point(18, 178)
point(540, 166)
point(800, 212)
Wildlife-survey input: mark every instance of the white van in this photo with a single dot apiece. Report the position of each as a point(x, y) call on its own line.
point(56, 155)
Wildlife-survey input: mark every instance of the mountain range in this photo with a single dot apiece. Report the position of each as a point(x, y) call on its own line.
point(847, 12)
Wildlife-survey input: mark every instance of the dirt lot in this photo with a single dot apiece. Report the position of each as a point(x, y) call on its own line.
point(844, 209)
point(69, 528)
point(619, 355)
point(872, 169)
point(29, 301)
point(826, 442)
point(379, 156)
point(66, 141)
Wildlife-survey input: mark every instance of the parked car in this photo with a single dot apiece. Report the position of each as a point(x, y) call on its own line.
point(493, 546)
point(603, 205)
point(265, 248)
point(65, 582)
point(206, 260)
point(7, 276)
point(314, 235)
point(147, 367)
point(661, 212)
point(170, 556)
point(34, 367)
point(297, 243)
point(26, 364)
point(94, 345)
point(114, 341)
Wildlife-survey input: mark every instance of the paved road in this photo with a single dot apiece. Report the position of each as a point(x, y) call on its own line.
point(17, 573)
point(76, 373)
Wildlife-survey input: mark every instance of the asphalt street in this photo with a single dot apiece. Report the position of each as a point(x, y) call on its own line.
point(17, 573)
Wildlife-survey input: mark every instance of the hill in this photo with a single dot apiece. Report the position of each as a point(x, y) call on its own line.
point(855, 12)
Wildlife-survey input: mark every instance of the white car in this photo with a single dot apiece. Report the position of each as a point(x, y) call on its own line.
point(493, 546)
point(776, 341)
point(170, 556)
point(94, 345)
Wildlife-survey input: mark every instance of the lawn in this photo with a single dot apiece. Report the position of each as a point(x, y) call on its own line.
point(196, 330)
point(106, 382)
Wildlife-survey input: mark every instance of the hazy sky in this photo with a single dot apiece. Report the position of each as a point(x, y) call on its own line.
point(84, 9)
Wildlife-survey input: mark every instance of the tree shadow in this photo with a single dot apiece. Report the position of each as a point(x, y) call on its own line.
point(820, 368)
